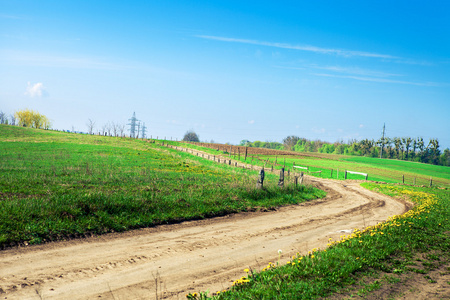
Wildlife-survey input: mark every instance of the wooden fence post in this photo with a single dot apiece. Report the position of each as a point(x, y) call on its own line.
point(260, 182)
point(331, 176)
point(245, 158)
point(431, 181)
point(281, 181)
point(296, 181)
point(345, 174)
point(403, 179)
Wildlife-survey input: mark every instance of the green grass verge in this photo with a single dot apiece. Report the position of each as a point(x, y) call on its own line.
point(56, 185)
point(387, 248)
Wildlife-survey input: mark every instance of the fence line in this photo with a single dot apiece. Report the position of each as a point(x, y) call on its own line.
point(319, 171)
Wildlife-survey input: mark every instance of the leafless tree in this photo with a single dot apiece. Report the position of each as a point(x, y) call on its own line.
point(104, 128)
point(115, 128)
point(108, 128)
point(90, 124)
point(121, 129)
point(13, 120)
point(3, 119)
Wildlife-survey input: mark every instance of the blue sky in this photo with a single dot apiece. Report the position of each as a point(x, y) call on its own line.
point(232, 70)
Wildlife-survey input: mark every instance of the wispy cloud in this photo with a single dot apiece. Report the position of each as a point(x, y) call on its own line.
point(381, 80)
point(36, 90)
point(12, 17)
point(309, 48)
point(251, 122)
point(318, 130)
point(44, 60)
point(355, 71)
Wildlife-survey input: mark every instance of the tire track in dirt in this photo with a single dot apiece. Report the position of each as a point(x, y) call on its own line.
point(170, 261)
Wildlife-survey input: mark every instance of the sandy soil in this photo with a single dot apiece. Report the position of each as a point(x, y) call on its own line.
point(170, 261)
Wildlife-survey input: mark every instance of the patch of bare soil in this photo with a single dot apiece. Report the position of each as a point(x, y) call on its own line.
point(434, 285)
point(427, 276)
point(171, 261)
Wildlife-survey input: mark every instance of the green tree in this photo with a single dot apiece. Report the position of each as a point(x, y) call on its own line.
point(245, 143)
point(31, 118)
point(290, 141)
point(433, 149)
point(191, 136)
point(445, 158)
point(407, 142)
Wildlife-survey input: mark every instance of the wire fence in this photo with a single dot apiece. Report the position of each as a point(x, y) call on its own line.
point(242, 157)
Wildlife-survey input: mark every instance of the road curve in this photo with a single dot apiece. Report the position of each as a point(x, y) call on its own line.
point(167, 262)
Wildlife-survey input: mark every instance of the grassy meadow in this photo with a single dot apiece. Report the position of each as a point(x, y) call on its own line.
point(364, 261)
point(57, 185)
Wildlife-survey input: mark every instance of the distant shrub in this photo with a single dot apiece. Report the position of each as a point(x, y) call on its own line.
point(191, 136)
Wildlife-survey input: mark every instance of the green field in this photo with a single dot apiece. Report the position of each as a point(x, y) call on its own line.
point(56, 185)
point(332, 165)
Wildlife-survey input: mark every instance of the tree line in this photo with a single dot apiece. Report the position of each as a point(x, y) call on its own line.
point(402, 148)
point(26, 118)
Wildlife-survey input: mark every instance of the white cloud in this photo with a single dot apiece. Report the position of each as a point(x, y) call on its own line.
point(298, 47)
point(36, 90)
point(361, 125)
point(251, 122)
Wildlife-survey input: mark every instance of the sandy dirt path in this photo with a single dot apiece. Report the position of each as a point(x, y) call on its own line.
point(170, 261)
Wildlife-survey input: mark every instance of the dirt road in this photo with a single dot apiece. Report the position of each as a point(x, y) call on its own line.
point(170, 261)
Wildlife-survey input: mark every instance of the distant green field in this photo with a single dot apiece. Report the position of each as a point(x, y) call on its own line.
point(386, 170)
point(56, 185)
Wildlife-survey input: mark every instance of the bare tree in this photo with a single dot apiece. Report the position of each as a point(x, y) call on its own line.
point(108, 128)
point(90, 125)
point(121, 129)
point(3, 119)
point(104, 129)
point(13, 120)
point(114, 128)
